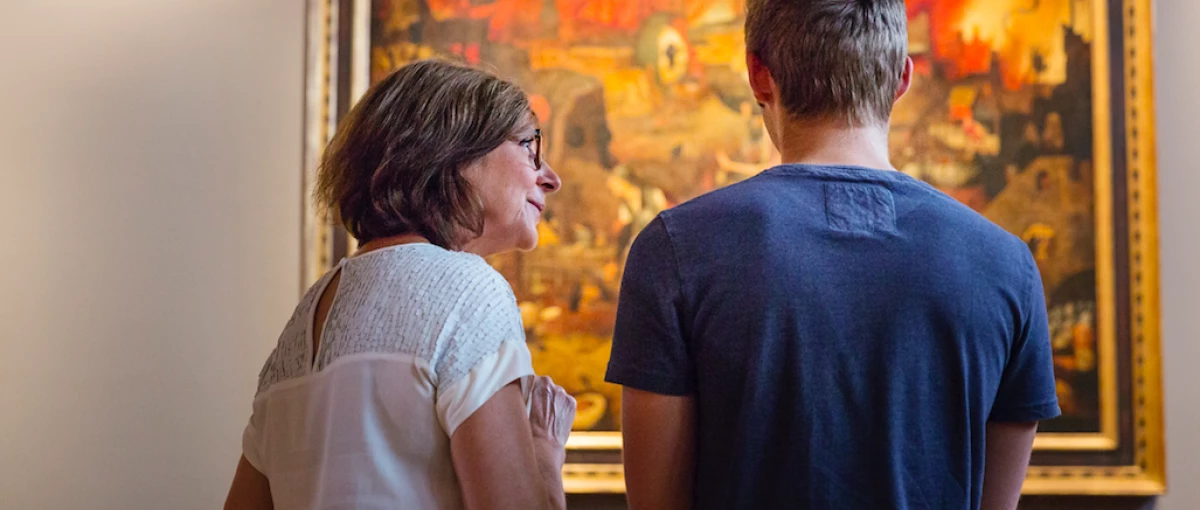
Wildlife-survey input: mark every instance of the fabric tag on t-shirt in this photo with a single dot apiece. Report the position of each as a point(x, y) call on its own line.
point(859, 208)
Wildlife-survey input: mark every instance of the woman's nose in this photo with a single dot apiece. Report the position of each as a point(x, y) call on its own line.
point(549, 179)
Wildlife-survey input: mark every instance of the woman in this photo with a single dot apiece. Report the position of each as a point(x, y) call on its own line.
point(403, 379)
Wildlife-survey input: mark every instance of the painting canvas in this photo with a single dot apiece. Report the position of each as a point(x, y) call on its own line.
point(645, 104)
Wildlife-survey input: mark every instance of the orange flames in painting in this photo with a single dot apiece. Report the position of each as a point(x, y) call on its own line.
point(514, 21)
point(959, 55)
point(1025, 36)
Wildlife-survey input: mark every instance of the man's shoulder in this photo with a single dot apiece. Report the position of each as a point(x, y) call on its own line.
point(971, 226)
point(738, 199)
point(952, 232)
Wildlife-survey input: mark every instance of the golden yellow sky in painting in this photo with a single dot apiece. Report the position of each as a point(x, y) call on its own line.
point(1017, 29)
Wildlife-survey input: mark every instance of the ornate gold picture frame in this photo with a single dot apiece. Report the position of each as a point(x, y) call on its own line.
point(643, 104)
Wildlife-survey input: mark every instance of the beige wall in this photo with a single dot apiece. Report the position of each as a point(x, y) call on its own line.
point(149, 156)
point(1178, 87)
point(149, 216)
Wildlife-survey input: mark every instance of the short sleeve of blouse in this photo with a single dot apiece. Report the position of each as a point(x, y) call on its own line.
point(482, 348)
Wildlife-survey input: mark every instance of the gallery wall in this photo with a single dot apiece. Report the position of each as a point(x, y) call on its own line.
point(1178, 79)
point(149, 237)
point(149, 244)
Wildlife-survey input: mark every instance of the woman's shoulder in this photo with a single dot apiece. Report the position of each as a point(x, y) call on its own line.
point(479, 284)
point(434, 272)
point(470, 267)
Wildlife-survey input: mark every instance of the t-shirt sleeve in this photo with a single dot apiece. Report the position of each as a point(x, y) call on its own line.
point(1027, 386)
point(252, 435)
point(482, 351)
point(252, 440)
point(649, 352)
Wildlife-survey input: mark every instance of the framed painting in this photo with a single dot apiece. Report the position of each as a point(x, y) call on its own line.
point(1035, 113)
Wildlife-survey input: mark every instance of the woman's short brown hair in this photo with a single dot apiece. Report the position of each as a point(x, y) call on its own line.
point(832, 58)
point(396, 164)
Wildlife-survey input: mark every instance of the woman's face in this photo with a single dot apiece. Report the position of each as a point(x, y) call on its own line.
point(513, 190)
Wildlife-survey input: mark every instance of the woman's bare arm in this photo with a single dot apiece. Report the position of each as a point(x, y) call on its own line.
point(250, 489)
point(498, 461)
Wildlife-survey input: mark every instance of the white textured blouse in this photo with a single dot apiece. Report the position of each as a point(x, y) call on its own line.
point(416, 340)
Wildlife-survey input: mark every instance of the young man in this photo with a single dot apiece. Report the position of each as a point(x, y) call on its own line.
point(830, 333)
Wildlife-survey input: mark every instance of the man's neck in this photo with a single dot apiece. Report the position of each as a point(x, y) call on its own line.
point(834, 143)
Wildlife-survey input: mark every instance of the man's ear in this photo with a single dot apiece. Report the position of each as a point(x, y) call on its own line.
point(906, 77)
point(760, 79)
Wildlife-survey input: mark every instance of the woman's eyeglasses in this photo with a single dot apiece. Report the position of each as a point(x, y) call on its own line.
point(535, 148)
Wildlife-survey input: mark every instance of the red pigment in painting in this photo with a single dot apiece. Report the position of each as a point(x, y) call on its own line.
point(599, 18)
point(962, 55)
point(510, 21)
point(540, 106)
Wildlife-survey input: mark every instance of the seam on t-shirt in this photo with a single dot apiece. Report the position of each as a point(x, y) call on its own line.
point(842, 172)
point(1018, 413)
point(678, 284)
point(1044, 403)
point(637, 379)
point(1028, 302)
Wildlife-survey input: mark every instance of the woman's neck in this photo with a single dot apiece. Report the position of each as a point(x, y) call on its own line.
point(384, 242)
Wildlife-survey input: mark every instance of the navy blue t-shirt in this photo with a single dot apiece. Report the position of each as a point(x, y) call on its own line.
point(847, 334)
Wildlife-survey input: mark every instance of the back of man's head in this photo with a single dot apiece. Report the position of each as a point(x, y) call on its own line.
point(832, 59)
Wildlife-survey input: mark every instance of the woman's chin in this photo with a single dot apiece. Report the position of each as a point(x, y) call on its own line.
point(528, 243)
point(522, 245)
